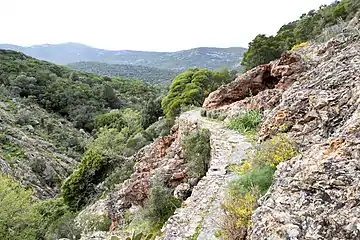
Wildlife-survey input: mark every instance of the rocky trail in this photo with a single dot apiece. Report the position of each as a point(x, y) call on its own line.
point(201, 214)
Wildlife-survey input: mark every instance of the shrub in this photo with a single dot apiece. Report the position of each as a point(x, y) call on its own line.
point(79, 188)
point(18, 218)
point(57, 221)
point(159, 207)
point(197, 153)
point(260, 177)
point(112, 119)
point(300, 45)
point(246, 123)
point(272, 152)
point(160, 128)
point(238, 211)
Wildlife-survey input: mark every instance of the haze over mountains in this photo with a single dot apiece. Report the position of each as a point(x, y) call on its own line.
point(154, 67)
point(204, 57)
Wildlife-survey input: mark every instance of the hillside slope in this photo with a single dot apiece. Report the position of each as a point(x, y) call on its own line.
point(47, 113)
point(211, 58)
point(144, 73)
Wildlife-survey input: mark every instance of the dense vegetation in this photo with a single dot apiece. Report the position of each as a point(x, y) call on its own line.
point(204, 57)
point(264, 49)
point(78, 97)
point(144, 73)
point(191, 87)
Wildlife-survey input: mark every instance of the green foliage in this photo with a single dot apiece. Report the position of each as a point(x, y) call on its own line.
point(197, 153)
point(10, 151)
point(264, 49)
point(160, 128)
point(119, 136)
point(160, 206)
point(190, 88)
point(79, 97)
point(151, 112)
point(57, 221)
point(79, 188)
point(261, 177)
point(18, 219)
point(144, 73)
point(247, 122)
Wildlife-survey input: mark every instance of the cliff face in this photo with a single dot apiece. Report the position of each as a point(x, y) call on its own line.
point(316, 194)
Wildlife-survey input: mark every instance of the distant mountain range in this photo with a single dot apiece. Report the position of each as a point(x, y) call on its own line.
point(153, 67)
point(211, 58)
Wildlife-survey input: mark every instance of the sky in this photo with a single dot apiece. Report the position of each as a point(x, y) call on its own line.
point(149, 25)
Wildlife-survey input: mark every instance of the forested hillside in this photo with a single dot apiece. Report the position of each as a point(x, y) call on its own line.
point(144, 73)
point(316, 25)
point(211, 58)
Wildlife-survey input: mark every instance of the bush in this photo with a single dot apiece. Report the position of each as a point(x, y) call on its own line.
point(159, 207)
point(300, 45)
point(79, 189)
point(160, 128)
point(246, 123)
point(272, 152)
point(190, 88)
point(18, 218)
point(238, 211)
point(260, 177)
point(57, 221)
point(197, 153)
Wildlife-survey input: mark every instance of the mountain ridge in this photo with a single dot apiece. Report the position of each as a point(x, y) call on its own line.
point(202, 57)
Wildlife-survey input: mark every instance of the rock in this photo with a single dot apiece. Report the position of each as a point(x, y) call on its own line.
point(30, 128)
point(268, 76)
point(315, 195)
point(183, 191)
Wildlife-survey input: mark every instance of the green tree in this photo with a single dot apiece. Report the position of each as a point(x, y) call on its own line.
point(190, 88)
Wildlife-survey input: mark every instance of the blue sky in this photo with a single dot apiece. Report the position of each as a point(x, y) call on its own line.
point(157, 25)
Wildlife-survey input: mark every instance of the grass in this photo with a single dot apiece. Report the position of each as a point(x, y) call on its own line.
point(246, 123)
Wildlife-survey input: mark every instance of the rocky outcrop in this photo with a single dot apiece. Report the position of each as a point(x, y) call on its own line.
point(278, 74)
point(316, 195)
point(317, 103)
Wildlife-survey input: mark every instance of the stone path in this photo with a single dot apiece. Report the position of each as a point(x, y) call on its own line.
point(201, 214)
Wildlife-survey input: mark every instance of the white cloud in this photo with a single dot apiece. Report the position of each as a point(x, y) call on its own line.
point(160, 25)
